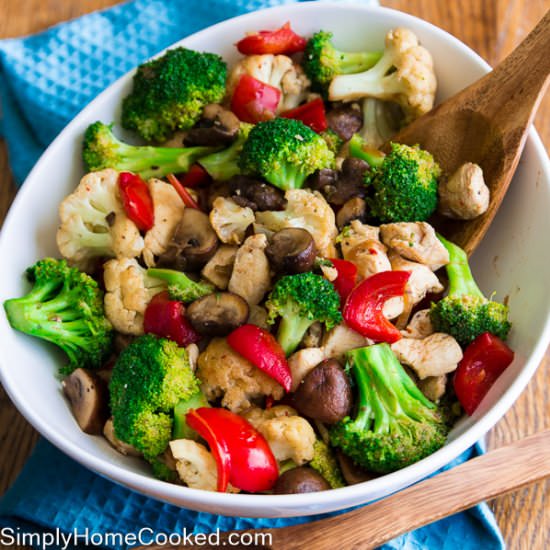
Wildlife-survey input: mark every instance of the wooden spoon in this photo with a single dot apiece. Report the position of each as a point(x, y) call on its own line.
point(487, 123)
point(484, 477)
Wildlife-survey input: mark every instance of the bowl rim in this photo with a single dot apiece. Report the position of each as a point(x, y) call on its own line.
point(308, 503)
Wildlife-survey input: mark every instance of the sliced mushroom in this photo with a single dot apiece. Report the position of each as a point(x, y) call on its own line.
point(194, 240)
point(353, 209)
point(217, 314)
point(352, 472)
point(258, 195)
point(291, 250)
point(300, 480)
point(345, 119)
point(89, 399)
point(217, 126)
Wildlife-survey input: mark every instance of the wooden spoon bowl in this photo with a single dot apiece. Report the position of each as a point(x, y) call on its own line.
point(486, 123)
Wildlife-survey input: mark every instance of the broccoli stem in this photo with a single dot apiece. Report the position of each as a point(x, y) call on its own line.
point(461, 280)
point(291, 331)
point(356, 62)
point(384, 388)
point(180, 286)
point(358, 149)
point(288, 176)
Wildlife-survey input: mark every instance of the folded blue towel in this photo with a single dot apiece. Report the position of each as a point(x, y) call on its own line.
point(44, 81)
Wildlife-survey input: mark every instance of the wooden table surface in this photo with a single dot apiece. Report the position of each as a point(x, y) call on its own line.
point(492, 28)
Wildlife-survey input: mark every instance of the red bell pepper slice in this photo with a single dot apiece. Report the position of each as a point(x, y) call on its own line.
point(363, 308)
point(312, 114)
point(196, 176)
point(166, 318)
point(485, 359)
point(254, 101)
point(262, 349)
point(137, 200)
point(184, 194)
point(347, 278)
point(281, 41)
point(242, 454)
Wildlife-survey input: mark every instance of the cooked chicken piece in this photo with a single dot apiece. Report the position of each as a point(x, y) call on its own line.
point(419, 326)
point(393, 307)
point(341, 339)
point(415, 241)
point(464, 196)
point(421, 281)
point(219, 267)
point(258, 316)
point(361, 245)
point(193, 355)
point(168, 210)
point(437, 354)
point(251, 277)
point(433, 387)
point(313, 336)
point(303, 361)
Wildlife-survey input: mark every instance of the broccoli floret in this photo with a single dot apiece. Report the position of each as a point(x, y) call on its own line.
point(300, 300)
point(150, 377)
point(65, 307)
point(465, 313)
point(322, 61)
point(326, 464)
point(396, 424)
point(334, 141)
point(285, 152)
point(225, 164)
point(161, 470)
point(101, 149)
point(403, 184)
point(171, 91)
point(180, 286)
point(404, 74)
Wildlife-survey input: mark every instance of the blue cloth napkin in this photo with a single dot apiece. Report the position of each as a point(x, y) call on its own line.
point(44, 81)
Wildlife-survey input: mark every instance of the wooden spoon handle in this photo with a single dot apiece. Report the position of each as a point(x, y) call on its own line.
point(485, 477)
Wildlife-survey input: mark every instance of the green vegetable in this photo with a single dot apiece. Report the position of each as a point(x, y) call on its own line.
point(465, 313)
point(285, 152)
point(101, 149)
point(403, 183)
point(322, 61)
point(334, 141)
point(225, 164)
point(180, 286)
point(396, 425)
point(181, 429)
point(326, 464)
point(300, 300)
point(151, 376)
point(65, 307)
point(170, 92)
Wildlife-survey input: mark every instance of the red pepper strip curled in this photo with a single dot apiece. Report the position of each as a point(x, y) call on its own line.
point(242, 454)
point(281, 41)
point(137, 200)
point(262, 349)
point(363, 308)
point(184, 194)
point(166, 318)
point(484, 360)
point(347, 278)
point(254, 101)
point(312, 114)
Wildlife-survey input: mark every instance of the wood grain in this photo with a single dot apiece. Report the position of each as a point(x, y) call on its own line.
point(492, 28)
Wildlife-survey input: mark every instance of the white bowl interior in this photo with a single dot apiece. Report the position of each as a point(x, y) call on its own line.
point(510, 262)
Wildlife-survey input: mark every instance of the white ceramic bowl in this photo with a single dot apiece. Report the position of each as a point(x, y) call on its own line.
point(512, 261)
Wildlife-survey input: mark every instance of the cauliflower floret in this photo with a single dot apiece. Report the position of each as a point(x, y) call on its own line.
point(309, 211)
point(290, 436)
point(276, 70)
point(251, 276)
point(94, 224)
point(404, 74)
point(196, 466)
point(230, 220)
point(224, 373)
point(168, 210)
point(435, 355)
point(128, 291)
